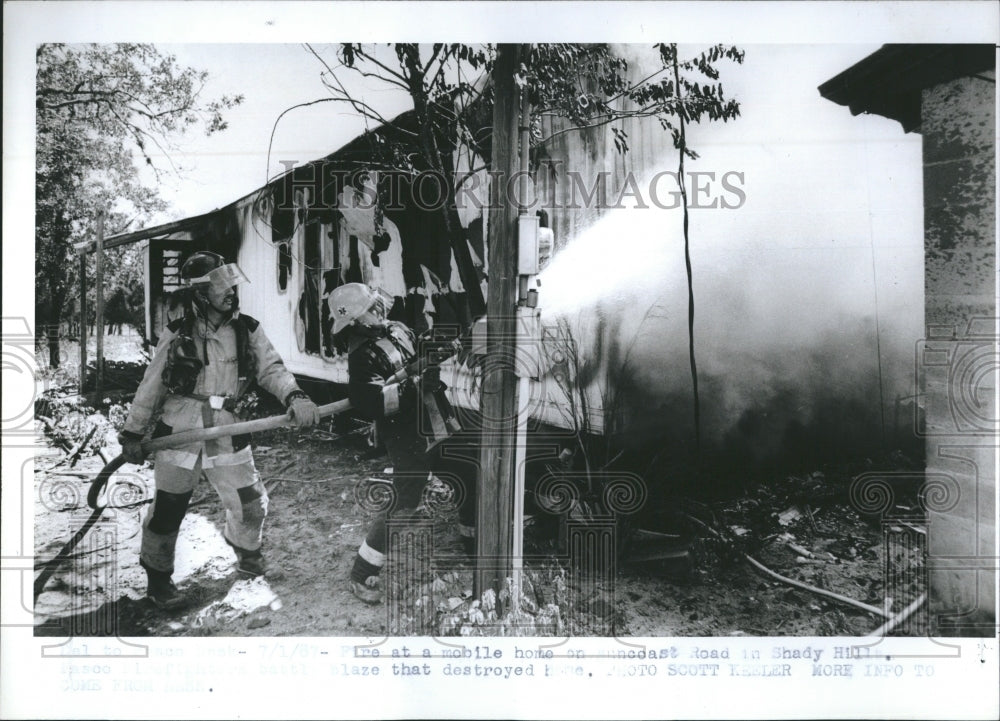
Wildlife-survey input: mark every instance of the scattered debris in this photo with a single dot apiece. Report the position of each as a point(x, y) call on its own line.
point(800, 550)
point(244, 598)
point(798, 584)
point(789, 516)
point(895, 621)
point(800, 556)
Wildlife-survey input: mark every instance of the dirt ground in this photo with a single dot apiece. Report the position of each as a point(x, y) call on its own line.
point(315, 525)
point(695, 583)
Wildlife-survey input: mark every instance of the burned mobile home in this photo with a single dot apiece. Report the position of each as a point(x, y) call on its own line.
point(316, 227)
point(831, 379)
point(805, 378)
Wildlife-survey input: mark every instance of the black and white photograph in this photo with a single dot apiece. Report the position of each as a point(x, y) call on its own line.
point(650, 358)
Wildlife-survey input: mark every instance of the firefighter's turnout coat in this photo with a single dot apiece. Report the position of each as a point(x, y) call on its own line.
point(238, 344)
point(409, 425)
point(374, 356)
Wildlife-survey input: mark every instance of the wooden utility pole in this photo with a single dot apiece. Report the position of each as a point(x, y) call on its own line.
point(99, 308)
point(83, 318)
point(495, 502)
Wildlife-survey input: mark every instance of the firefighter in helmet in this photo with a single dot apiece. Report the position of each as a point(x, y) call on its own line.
point(413, 420)
point(204, 362)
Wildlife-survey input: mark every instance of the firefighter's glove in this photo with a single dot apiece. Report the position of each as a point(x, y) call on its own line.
point(303, 411)
point(438, 351)
point(430, 380)
point(407, 391)
point(413, 369)
point(132, 447)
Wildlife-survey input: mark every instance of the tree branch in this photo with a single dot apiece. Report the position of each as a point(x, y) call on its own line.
point(370, 58)
point(381, 78)
point(360, 106)
point(434, 56)
point(137, 133)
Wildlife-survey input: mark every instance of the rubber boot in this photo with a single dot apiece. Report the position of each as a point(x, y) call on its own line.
point(251, 564)
point(367, 591)
point(160, 589)
point(364, 578)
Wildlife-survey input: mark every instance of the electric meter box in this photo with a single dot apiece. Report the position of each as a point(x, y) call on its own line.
point(527, 245)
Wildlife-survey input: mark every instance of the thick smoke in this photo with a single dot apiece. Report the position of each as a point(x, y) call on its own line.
point(791, 370)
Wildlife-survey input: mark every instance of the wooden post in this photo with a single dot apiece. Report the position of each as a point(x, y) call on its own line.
point(495, 500)
point(99, 308)
point(83, 318)
point(523, 382)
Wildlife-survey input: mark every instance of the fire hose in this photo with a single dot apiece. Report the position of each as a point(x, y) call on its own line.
point(198, 435)
point(195, 435)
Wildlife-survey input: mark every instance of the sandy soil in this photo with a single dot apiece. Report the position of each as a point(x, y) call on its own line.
point(801, 527)
point(315, 525)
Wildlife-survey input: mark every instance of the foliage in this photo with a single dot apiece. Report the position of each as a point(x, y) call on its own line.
point(690, 98)
point(693, 102)
point(591, 87)
point(440, 80)
point(55, 376)
point(588, 85)
point(97, 108)
point(125, 92)
point(71, 423)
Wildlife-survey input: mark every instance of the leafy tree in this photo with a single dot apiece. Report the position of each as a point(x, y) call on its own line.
point(102, 112)
point(440, 80)
point(695, 99)
point(587, 84)
point(452, 102)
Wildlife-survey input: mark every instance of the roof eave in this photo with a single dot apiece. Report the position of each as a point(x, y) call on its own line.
point(889, 81)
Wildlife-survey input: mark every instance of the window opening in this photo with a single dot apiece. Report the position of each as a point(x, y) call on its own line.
point(311, 301)
point(284, 264)
point(331, 279)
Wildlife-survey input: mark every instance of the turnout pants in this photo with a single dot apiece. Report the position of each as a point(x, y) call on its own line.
point(453, 463)
point(235, 479)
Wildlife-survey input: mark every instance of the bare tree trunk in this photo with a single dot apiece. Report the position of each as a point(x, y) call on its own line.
point(442, 163)
point(52, 341)
point(687, 262)
point(52, 312)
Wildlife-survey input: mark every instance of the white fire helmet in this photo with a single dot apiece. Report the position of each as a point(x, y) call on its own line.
point(351, 301)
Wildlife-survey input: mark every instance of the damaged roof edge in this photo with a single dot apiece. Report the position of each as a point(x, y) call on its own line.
point(135, 236)
point(402, 122)
point(889, 81)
